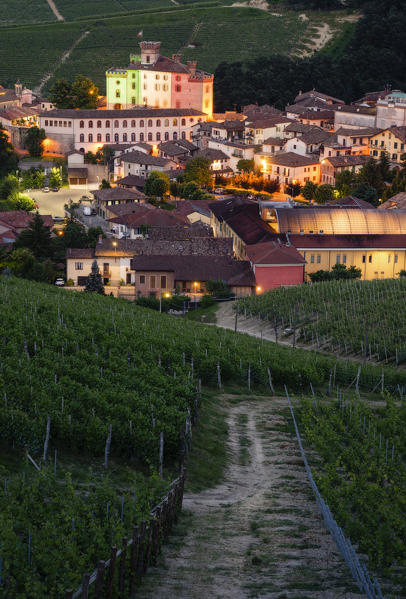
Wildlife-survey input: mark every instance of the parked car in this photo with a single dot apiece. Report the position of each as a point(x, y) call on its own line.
point(218, 191)
point(55, 189)
point(45, 189)
point(60, 282)
point(59, 219)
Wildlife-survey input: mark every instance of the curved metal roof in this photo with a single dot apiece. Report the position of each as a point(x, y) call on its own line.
point(340, 221)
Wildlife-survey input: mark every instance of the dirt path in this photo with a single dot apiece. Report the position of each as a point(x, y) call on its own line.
point(259, 533)
point(321, 35)
point(64, 58)
point(54, 9)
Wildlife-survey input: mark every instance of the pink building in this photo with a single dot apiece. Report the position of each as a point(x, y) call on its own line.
point(275, 264)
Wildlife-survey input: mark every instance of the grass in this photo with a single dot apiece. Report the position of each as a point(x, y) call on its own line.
point(203, 314)
point(209, 456)
point(225, 34)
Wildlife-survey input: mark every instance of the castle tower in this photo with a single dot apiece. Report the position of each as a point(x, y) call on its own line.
point(150, 52)
point(18, 89)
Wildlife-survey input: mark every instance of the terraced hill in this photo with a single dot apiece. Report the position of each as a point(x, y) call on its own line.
point(211, 32)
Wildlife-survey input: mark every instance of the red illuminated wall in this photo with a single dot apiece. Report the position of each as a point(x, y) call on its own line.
point(269, 277)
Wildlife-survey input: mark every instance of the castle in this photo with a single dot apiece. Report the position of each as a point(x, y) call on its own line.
point(155, 81)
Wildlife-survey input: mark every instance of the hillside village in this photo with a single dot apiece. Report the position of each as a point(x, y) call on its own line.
point(157, 117)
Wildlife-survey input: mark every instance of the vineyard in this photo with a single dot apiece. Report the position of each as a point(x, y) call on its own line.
point(93, 380)
point(361, 473)
point(362, 318)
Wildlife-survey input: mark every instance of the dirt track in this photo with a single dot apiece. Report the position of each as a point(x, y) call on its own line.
point(259, 533)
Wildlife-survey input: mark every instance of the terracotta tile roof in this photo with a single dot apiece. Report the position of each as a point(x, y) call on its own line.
point(317, 115)
point(19, 112)
point(153, 218)
point(164, 64)
point(18, 220)
point(80, 253)
point(355, 109)
point(70, 113)
point(275, 141)
point(396, 202)
point(272, 252)
point(318, 135)
point(292, 159)
point(399, 132)
point(129, 208)
point(212, 154)
point(172, 149)
point(266, 121)
point(131, 181)
point(117, 193)
point(142, 158)
point(198, 268)
point(315, 94)
point(187, 207)
point(242, 216)
point(363, 132)
point(298, 127)
point(344, 161)
point(181, 232)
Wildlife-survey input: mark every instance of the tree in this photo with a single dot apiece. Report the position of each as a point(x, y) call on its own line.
point(384, 166)
point(60, 94)
point(94, 281)
point(324, 193)
point(293, 189)
point(308, 191)
point(344, 183)
point(366, 192)
point(370, 174)
point(74, 235)
point(37, 238)
point(23, 263)
point(8, 186)
point(157, 184)
point(93, 235)
point(244, 165)
point(338, 272)
point(8, 157)
point(104, 184)
point(20, 201)
point(198, 171)
point(85, 93)
point(55, 179)
point(218, 288)
point(34, 141)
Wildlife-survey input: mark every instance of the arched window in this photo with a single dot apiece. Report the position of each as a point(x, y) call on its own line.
point(125, 124)
point(116, 138)
point(90, 137)
point(81, 138)
point(99, 124)
point(183, 134)
point(166, 123)
point(158, 136)
point(116, 123)
point(175, 122)
point(149, 136)
point(107, 137)
point(82, 150)
point(141, 137)
point(183, 122)
point(141, 123)
point(82, 124)
point(118, 93)
point(132, 136)
point(99, 137)
point(107, 123)
point(149, 123)
point(90, 124)
point(132, 123)
point(124, 136)
point(178, 88)
point(158, 123)
point(175, 136)
point(166, 136)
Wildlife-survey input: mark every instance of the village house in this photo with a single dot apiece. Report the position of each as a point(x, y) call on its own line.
point(219, 131)
point(355, 117)
point(219, 160)
point(356, 139)
point(259, 129)
point(90, 130)
point(331, 165)
point(178, 151)
point(160, 82)
point(273, 145)
point(396, 202)
point(140, 164)
point(83, 174)
point(391, 110)
point(235, 151)
point(13, 222)
point(310, 142)
point(289, 168)
point(138, 223)
point(391, 141)
point(115, 196)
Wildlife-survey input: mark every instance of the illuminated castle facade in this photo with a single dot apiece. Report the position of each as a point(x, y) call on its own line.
point(152, 80)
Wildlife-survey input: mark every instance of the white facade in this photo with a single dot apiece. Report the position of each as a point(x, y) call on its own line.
point(234, 151)
point(391, 111)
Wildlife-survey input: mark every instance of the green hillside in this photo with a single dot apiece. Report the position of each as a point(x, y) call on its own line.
point(210, 32)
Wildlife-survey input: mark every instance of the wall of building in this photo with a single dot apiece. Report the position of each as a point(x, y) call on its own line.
point(390, 113)
point(270, 277)
point(353, 119)
point(387, 142)
point(149, 283)
point(374, 264)
point(118, 268)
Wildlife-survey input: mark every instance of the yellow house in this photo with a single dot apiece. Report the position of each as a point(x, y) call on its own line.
point(392, 141)
point(112, 257)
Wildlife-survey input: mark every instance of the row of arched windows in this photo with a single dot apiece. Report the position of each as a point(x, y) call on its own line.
point(126, 138)
point(99, 124)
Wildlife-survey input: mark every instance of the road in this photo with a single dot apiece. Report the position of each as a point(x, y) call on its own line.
point(53, 202)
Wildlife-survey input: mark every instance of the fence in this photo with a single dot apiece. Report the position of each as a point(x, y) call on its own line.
point(358, 570)
point(119, 575)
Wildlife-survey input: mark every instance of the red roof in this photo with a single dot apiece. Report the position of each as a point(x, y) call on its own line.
point(19, 219)
point(153, 218)
point(274, 253)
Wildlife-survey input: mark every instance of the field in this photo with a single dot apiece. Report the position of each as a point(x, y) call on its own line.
point(223, 33)
point(363, 318)
point(77, 365)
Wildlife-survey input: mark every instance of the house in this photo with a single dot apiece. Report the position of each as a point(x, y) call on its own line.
point(289, 168)
point(198, 211)
point(356, 139)
point(113, 210)
point(84, 175)
point(219, 160)
point(158, 81)
point(396, 202)
point(391, 141)
point(275, 264)
point(235, 150)
point(355, 117)
point(138, 223)
point(331, 165)
point(90, 130)
point(391, 110)
point(156, 275)
point(15, 221)
point(320, 117)
point(104, 198)
point(305, 98)
point(131, 182)
point(140, 164)
point(178, 151)
point(227, 131)
point(260, 128)
point(296, 129)
point(310, 142)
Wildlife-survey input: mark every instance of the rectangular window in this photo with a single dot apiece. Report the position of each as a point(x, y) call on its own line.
point(152, 282)
point(338, 259)
point(344, 259)
point(163, 282)
point(370, 259)
point(78, 265)
point(142, 279)
point(396, 259)
point(389, 259)
point(318, 258)
point(312, 259)
point(364, 259)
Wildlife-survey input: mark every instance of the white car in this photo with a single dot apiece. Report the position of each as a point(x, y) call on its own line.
point(45, 189)
point(60, 282)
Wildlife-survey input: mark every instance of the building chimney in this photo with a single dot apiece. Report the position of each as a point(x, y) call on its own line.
point(192, 64)
point(176, 57)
